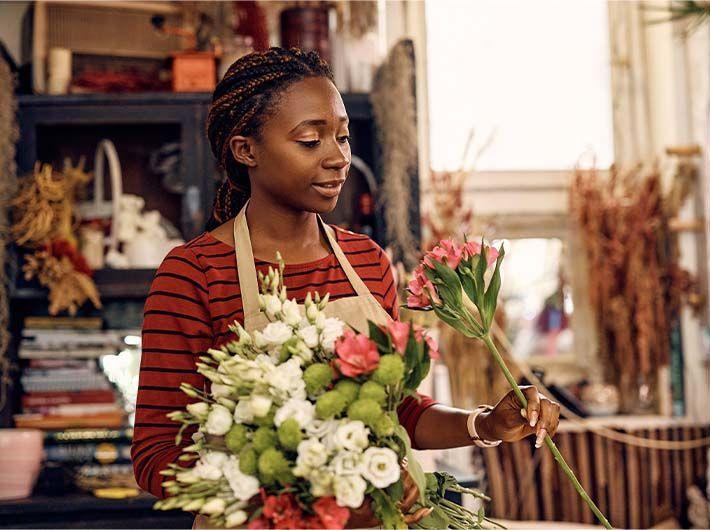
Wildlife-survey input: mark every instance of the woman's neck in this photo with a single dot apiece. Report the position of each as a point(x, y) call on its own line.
point(295, 234)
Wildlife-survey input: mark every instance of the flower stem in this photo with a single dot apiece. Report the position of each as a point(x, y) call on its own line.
point(548, 441)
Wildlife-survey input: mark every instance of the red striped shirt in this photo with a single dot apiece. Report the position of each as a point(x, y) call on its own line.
point(194, 298)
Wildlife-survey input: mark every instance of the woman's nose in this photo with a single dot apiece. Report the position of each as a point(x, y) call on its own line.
point(338, 157)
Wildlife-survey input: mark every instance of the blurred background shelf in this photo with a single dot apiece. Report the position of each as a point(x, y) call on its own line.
point(112, 283)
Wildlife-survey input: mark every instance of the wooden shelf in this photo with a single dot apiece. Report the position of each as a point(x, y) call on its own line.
point(112, 283)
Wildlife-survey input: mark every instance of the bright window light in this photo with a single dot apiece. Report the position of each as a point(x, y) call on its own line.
point(536, 74)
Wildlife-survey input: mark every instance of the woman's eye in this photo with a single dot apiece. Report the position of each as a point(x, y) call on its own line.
point(344, 139)
point(310, 143)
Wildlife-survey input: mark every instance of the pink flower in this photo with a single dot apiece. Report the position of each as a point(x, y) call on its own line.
point(447, 252)
point(473, 248)
point(259, 523)
point(419, 333)
point(399, 332)
point(422, 291)
point(357, 354)
point(332, 515)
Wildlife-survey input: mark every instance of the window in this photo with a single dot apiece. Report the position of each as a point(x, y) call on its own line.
point(535, 74)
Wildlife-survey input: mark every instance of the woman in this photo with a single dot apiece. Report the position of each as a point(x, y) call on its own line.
point(279, 127)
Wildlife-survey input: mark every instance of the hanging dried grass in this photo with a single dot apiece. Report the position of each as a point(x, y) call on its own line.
point(635, 282)
point(8, 183)
point(394, 106)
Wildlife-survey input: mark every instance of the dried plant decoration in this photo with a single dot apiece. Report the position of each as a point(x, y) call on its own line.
point(394, 106)
point(45, 221)
point(44, 205)
point(635, 282)
point(9, 134)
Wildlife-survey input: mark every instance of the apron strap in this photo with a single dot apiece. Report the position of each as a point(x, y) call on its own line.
point(355, 280)
point(246, 269)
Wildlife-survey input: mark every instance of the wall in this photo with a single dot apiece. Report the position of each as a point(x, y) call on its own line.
point(11, 14)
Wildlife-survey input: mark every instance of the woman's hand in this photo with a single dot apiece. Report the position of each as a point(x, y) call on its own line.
point(364, 517)
point(508, 422)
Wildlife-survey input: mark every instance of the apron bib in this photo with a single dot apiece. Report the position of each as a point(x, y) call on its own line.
point(355, 310)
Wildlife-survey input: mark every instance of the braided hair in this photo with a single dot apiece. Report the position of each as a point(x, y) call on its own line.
point(241, 103)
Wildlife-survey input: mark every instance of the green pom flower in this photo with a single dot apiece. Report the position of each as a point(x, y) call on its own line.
point(330, 404)
point(317, 377)
point(372, 390)
point(264, 438)
point(290, 434)
point(236, 438)
point(349, 389)
point(367, 411)
point(383, 426)
point(390, 370)
point(273, 466)
point(247, 460)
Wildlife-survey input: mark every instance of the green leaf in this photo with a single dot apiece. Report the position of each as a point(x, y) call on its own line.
point(386, 510)
point(468, 282)
point(379, 337)
point(436, 519)
point(480, 274)
point(412, 353)
point(396, 490)
point(491, 296)
point(415, 470)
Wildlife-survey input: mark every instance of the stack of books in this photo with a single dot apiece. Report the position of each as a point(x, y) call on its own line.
point(63, 384)
point(95, 458)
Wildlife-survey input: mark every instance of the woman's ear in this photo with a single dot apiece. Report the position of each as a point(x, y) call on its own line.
point(242, 148)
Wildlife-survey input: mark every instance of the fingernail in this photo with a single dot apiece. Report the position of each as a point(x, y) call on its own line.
point(533, 418)
point(540, 438)
point(524, 413)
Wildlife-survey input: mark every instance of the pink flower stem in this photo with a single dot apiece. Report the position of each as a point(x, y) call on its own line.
point(548, 441)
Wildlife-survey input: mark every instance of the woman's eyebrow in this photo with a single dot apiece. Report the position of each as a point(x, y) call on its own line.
point(318, 122)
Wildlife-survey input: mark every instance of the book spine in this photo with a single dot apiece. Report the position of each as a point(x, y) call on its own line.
point(90, 435)
point(46, 399)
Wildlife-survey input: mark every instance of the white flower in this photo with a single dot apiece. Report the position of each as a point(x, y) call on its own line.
point(311, 454)
point(259, 340)
point(291, 313)
point(242, 485)
point(219, 420)
point(303, 352)
point(199, 409)
point(352, 436)
point(309, 334)
point(321, 479)
point(276, 333)
point(380, 466)
point(349, 490)
point(260, 405)
point(346, 463)
point(221, 390)
point(333, 329)
point(320, 428)
point(243, 412)
point(312, 312)
point(214, 506)
point(209, 467)
point(272, 305)
point(235, 519)
point(319, 321)
point(301, 410)
point(286, 380)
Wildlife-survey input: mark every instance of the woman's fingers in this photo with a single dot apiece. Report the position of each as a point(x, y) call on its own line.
point(549, 420)
point(532, 411)
point(417, 516)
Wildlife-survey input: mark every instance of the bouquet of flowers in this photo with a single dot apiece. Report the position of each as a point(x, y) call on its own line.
point(456, 282)
point(299, 425)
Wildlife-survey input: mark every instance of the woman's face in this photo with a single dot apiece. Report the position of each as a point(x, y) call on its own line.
point(302, 157)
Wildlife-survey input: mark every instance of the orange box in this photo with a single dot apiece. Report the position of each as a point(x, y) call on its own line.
point(194, 72)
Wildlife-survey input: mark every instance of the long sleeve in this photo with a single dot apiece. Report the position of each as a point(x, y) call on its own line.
point(176, 331)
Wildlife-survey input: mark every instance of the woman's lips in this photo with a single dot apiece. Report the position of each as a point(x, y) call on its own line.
point(329, 189)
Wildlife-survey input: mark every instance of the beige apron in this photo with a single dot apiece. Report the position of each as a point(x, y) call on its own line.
point(355, 310)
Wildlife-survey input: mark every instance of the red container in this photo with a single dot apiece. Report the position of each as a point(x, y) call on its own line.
point(194, 72)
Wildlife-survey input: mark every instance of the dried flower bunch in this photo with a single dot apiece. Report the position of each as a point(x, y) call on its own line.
point(634, 278)
point(45, 222)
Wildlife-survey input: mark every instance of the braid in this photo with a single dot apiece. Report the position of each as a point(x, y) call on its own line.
point(241, 103)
